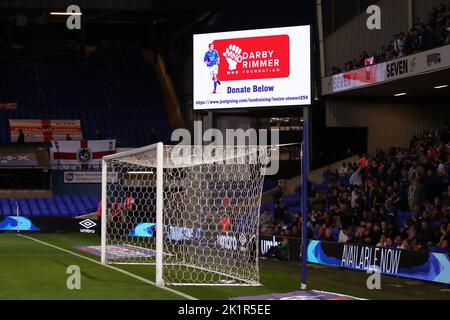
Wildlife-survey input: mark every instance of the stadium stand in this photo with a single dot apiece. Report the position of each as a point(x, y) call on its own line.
point(421, 37)
point(56, 206)
point(113, 86)
point(398, 198)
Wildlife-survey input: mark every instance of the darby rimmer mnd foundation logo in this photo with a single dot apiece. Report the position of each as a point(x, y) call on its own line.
point(253, 58)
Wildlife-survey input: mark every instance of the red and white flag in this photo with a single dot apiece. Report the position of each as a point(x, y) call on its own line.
point(369, 61)
point(45, 130)
point(84, 154)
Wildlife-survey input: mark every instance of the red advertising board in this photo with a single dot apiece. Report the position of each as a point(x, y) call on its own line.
point(45, 130)
point(253, 58)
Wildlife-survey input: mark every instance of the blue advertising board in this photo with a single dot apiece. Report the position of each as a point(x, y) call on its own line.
point(13, 223)
point(422, 265)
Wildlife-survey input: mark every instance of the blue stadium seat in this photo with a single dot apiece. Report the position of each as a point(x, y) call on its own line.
point(43, 208)
point(292, 199)
point(13, 205)
point(335, 234)
point(5, 207)
point(269, 206)
point(34, 207)
point(69, 205)
point(322, 188)
point(24, 208)
point(402, 217)
point(344, 180)
point(294, 210)
point(81, 208)
point(94, 202)
point(52, 207)
point(46, 98)
point(87, 203)
point(63, 211)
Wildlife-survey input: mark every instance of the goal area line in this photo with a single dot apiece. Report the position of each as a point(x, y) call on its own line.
point(243, 283)
point(132, 275)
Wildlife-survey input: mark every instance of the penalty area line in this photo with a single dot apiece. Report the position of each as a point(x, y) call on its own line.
point(132, 275)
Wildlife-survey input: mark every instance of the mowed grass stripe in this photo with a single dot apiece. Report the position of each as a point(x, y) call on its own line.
point(103, 283)
point(44, 277)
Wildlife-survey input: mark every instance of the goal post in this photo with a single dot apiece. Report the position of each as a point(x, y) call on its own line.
point(191, 211)
point(159, 213)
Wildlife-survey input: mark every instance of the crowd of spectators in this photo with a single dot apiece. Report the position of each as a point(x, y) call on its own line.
point(421, 37)
point(399, 199)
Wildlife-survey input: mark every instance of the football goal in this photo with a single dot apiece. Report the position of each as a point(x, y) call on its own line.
point(192, 211)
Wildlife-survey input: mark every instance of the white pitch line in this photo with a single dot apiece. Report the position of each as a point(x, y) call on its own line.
point(132, 275)
point(339, 294)
point(31, 254)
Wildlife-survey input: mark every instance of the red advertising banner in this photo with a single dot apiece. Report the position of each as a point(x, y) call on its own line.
point(367, 75)
point(8, 105)
point(253, 58)
point(45, 130)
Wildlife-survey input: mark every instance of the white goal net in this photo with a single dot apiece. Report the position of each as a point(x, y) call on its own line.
point(193, 212)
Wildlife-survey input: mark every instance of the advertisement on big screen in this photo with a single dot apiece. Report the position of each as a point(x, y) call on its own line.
point(254, 68)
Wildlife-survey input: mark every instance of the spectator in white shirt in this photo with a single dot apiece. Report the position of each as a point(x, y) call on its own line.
point(382, 242)
point(399, 45)
point(355, 178)
point(405, 245)
point(343, 236)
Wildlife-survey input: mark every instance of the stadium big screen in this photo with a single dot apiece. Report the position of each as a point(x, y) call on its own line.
point(252, 68)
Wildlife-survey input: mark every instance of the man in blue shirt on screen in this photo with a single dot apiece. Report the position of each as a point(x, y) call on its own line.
point(212, 60)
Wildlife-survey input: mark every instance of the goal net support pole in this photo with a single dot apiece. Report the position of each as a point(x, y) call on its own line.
point(304, 198)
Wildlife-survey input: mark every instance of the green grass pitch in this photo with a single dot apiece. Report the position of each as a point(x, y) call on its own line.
point(33, 270)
